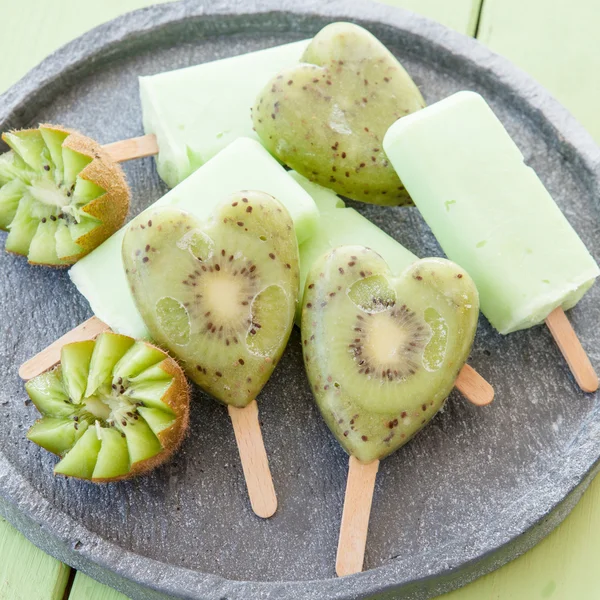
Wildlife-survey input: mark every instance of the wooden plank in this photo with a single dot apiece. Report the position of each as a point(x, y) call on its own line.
point(460, 15)
point(557, 42)
point(47, 26)
point(86, 588)
point(26, 573)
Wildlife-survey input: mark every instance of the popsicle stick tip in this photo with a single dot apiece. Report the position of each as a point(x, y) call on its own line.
point(255, 462)
point(568, 343)
point(24, 372)
point(474, 387)
point(50, 356)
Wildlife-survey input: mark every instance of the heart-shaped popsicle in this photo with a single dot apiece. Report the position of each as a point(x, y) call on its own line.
point(326, 117)
point(220, 295)
point(382, 354)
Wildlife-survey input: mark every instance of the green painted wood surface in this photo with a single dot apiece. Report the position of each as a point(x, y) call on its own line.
point(556, 41)
point(26, 573)
point(85, 588)
point(460, 15)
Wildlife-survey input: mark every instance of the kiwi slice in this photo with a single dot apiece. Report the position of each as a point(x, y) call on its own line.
point(219, 295)
point(382, 353)
point(96, 418)
point(61, 195)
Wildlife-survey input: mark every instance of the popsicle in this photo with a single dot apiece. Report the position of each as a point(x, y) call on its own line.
point(197, 111)
point(492, 215)
point(243, 165)
point(326, 117)
point(220, 295)
point(342, 226)
point(336, 226)
point(382, 353)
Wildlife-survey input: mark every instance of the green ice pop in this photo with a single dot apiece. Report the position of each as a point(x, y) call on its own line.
point(243, 165)
point(197, 111)
point(343, 226)
point(489, 211)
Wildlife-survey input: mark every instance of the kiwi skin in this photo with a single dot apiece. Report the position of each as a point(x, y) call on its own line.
point(110, 208)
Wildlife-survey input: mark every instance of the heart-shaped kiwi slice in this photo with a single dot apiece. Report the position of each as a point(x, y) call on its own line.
point(220, 295)
point(382, 353)
point(326, 118)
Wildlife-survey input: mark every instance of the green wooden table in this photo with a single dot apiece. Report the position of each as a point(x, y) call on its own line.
point(557, 42)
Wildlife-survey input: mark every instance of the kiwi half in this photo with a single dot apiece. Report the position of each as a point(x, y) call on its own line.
point(220, 295)
point(61, 195)
point(383, 353)
point(112, 409)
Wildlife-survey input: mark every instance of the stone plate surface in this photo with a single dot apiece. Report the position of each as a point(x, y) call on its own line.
point(473, 490)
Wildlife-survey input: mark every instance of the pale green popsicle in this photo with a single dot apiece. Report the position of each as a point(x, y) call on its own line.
point(197, 111)
point(243, 165)
point(343, 226)
point(489, 211)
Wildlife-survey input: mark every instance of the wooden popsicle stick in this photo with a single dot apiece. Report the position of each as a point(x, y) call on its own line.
point(474, 387)
point(355, 517)
point(255, 462)
point(138, 147)
point(566, 339)
point(50, 356)
point(469, 383)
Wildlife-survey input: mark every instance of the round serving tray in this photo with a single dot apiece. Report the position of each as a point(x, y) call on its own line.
point(473, 490)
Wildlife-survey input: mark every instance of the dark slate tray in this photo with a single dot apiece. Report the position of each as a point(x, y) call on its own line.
point(472, 491)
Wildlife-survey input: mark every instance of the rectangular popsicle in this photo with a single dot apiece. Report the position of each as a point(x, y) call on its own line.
point(489, 211)
point(197, 111)
point(340, 226)
point(243, 165)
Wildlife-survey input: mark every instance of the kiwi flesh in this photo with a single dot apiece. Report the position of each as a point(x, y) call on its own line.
point(61, 195)
point(326, 117)
point(220, 295)
point(96, 416)
point(382, 352)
